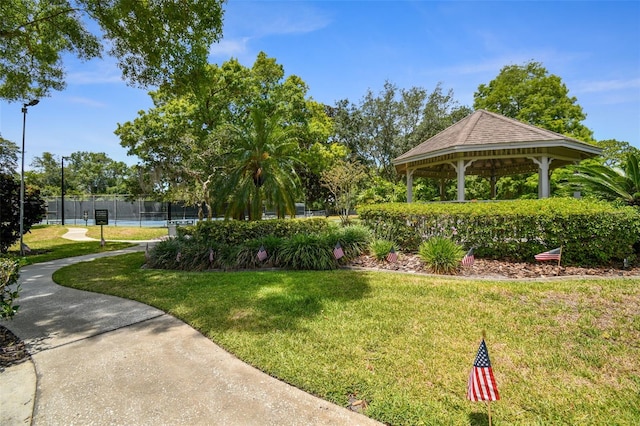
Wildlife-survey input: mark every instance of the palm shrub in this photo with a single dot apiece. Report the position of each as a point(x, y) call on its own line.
point(380, 248)
point(610, 183)
point(307, 251)
point(441, 255)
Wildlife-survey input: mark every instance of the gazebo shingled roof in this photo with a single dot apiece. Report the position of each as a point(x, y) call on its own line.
point(492, 145)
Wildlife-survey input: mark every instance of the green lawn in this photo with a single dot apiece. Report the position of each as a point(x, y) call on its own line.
point(563, 352)
point(126, 232)
point(46, 243)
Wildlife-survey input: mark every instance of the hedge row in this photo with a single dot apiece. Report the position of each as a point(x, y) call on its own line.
point(590, 232)
point(197, 251)
point(235, 232)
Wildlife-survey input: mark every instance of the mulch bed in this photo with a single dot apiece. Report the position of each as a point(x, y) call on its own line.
point(13, 350)
point(495, 269)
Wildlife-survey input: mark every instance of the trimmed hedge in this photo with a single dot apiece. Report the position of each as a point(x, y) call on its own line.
point(591, 232)
point(237, 231)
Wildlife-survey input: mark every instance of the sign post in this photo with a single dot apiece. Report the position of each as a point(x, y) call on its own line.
point(102, 218)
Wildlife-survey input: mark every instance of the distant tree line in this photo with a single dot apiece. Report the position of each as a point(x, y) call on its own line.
point(239, 140)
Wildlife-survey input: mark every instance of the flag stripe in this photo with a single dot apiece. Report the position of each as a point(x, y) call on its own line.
point(262, 254)
point(549, 255)
point(468, 258)
point(392, 256)
point(482, 384)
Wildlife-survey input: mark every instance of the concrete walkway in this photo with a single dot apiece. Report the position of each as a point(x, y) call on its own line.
point(99, 360)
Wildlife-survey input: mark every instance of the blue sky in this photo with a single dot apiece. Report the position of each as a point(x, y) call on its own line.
point(343, 48)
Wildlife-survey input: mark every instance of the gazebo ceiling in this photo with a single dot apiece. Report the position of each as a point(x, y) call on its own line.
point(495, 145)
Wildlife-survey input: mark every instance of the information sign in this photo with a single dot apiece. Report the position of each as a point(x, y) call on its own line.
point(102, 217)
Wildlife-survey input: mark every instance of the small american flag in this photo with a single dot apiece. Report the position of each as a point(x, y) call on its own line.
point(482, 385)
point(468, 258)
point(337, 251)
point(262, 254)
point(26, 248)
point(550, 255)
point(392, 256)
point(178, 257)
point(210, 255)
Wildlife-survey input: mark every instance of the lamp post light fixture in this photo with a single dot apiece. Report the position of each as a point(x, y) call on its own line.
point(62, 192)
point(24, 125)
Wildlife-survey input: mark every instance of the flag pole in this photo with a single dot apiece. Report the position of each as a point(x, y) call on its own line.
point(559, 257)
point(484, 337)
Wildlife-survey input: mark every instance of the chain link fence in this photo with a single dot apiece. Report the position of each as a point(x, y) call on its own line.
point(123, 210)
point(126, 211)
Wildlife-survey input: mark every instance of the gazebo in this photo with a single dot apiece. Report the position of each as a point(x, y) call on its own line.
point(491, 145)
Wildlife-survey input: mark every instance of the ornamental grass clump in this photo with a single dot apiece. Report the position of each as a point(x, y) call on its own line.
point(304, 251)
point(354, 240)
point(247, 255)
point(380, 248)
point(441, 255)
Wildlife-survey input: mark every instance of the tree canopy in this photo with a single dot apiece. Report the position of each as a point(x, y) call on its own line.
point(84, 173)
point(8, 156)
point(153, 41)
point(385, 125)
point(198, 135)
point(530, 94)
point(10, 210)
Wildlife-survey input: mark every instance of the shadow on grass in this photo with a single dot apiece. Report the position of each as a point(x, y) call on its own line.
point(478, 419)
point(270, 301)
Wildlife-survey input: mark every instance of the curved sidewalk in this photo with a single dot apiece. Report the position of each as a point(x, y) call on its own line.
point(98, 359)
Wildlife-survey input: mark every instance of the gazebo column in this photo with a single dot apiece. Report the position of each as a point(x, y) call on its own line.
point(544, 187)
point(492, 184)
point(460, 167)
point(410, 185)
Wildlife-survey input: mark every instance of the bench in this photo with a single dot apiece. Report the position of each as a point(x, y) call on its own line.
point(173, 224)
point(181, 222)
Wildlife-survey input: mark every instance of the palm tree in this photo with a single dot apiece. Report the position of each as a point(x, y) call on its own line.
point(260, 167)
point(610, 183)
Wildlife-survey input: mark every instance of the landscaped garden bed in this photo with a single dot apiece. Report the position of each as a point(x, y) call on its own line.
point(496, 269)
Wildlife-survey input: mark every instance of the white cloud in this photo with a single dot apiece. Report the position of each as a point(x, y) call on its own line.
point(249, 21)
point(230, 47)
point(607, 85)
point(97, 71)
point(86, 102)
point(261, 19)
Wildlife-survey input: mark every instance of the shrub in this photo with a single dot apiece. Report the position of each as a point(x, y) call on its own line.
point(237, 232)
point(9, 273)
point(303, 251)
point(441, 255)
point(354, 240)
point(380, 248)
point(247, 255)
point(515, 230)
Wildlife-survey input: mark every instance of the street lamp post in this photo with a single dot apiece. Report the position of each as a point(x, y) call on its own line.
point(62, 192)
point(24, 125)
